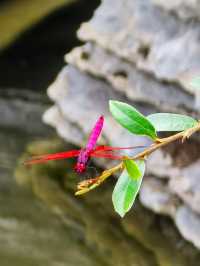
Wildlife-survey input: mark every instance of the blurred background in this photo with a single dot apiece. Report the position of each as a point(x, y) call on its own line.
point(143, 52)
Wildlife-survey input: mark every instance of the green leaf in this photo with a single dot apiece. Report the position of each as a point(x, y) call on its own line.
point(131, 119)
point(132, 169)
point(171, 122)
point(126, 190)
point(195, 83)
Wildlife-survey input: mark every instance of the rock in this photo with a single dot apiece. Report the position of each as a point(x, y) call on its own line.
point(30, 233)
point(138, 235)
point(188, 224)
point(185, 9)
point(126, 78)
point(22, 110)
point(74, 126)
point(142, 62)
point(156, 44)
point(187, 186)
point(156, 196)
point(68, 131)
point(161, 164)
point(81, 88)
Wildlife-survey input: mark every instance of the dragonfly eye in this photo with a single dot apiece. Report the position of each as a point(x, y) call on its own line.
point(80, 168)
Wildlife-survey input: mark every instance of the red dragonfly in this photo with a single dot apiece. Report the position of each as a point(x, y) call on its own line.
point(91, 150)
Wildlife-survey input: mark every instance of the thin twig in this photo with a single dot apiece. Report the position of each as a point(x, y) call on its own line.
point(165, 141)
point(159, 142)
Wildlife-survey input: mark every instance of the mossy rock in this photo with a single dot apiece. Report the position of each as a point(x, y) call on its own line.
point(135, 240)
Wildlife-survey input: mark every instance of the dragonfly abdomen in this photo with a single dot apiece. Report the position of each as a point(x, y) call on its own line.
point(96, 131)
point(85, 153)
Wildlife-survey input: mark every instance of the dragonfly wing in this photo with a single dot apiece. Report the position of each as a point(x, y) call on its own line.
point(107, 152)
point(110, 148)
point(55, 156)
point(106, 155)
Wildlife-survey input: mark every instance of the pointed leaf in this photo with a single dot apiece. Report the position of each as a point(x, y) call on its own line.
point(126, 190)
point(127, 116)
point(132, 169)
point(171, 122)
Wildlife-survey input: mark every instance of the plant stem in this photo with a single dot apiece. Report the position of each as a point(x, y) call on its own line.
point(165, 141)
point(141, 156)
point(160, 143)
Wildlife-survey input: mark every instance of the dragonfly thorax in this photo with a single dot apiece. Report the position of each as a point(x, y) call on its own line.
point(82, 160)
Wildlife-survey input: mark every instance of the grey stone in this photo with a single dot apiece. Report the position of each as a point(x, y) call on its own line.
point(155, 195)
point(68, 131)
point(142, 62)
point(126, 78)
point(185, 9)
point(22, 110)
point(156, 44)
point(88, 98)
point(187, 185)
point(188, 224)
point(161, 165)
point(75, 90)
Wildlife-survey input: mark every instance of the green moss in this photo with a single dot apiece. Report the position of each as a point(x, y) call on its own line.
point(144, 226)
point(18, 15)
point(135, 240)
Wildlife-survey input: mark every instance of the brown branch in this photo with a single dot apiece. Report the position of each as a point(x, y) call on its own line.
point(165, 141)
point(88, 185)
point(160, 143)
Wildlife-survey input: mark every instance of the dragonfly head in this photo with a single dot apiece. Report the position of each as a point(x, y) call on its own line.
point(80, 167)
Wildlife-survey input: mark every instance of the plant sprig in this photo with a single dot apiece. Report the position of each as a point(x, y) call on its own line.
point(133, 168)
